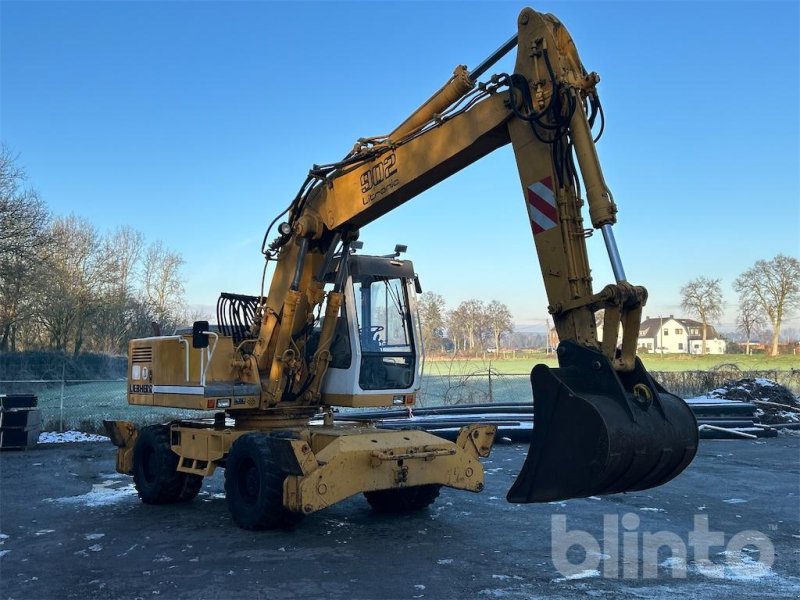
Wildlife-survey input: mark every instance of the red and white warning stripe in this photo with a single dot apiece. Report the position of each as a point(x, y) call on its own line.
point(542, 205)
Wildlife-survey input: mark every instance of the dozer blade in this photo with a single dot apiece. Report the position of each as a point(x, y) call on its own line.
point(599, 431)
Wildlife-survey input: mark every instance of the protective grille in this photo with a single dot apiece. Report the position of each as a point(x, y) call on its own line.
point(142, 354)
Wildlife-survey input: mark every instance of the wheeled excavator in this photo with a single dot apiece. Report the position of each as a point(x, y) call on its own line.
point(339, 328)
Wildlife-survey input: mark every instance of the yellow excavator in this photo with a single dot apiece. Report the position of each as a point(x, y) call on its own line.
point(340, 329)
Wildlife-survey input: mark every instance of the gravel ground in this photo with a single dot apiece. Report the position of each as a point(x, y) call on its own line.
point(70, 527)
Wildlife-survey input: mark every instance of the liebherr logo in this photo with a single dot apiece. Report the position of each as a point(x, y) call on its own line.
point(379, 179)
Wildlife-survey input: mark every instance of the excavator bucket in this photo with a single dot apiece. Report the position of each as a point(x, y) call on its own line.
point(598, 431)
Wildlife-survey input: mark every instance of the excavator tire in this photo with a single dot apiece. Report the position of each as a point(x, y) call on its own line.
point(254, 486)
point(403, 500)
point(191, 487)
point(155, 473)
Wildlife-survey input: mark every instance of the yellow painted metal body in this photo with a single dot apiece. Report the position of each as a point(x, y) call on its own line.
point(421, 152)
point(250, 382)
point(427, 149)
point(167, 371)
point(158, 375)
point(327, 464)
point(340, 462)
point(123, 435)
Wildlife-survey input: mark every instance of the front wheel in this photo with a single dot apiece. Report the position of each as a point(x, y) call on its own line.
point(254, 486)
point(155, 473)
point(403, 500)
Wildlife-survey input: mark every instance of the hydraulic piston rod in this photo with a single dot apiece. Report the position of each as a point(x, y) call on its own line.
point(613, 253)
point(457, 86)
point(493, 58)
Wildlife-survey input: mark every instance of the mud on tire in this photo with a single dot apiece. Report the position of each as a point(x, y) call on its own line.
point(403, 500)
point(254, 486)
point(154, 469)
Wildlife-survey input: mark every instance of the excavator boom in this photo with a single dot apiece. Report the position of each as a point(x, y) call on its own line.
point(340, 329)
point(600, 410)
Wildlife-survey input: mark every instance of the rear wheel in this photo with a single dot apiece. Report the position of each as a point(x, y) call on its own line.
point(191, 487)
point(254, 486)
point(155, 471)
point(402, 500)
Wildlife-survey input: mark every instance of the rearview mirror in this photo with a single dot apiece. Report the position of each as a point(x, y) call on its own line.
point(199, 339)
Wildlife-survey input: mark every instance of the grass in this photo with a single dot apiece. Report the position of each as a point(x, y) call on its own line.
point(86, 404)
point(754, 362)
point(676, 362)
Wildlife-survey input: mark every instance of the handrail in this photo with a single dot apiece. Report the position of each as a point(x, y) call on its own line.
point(209, 356)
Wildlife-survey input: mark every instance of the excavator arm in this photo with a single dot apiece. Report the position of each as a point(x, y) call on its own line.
point(602, 424)
point(275, 361)
point(543, 110)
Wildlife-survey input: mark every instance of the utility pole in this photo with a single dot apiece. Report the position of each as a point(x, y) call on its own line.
point(546, 336)
point(661, 333)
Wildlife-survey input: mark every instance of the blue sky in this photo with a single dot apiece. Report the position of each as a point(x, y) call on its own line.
point(196, 123)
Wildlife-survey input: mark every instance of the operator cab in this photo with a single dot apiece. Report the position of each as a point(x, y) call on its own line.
point(376, 351)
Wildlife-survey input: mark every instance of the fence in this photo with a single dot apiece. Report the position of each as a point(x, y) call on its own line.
point(83, 404)
point(491, 386)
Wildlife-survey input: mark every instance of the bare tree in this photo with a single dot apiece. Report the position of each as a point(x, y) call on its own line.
point(456, 327)
point(750, 320)
point(75, 276)
point(702, 297)
point(474, 319)
point(774, 286)
point(500, 320)
point(64, 286)
point(120, 315)
point(24, 240)
point(432, 314)
point(197, 312)
point(162, 284)
point(122, 251)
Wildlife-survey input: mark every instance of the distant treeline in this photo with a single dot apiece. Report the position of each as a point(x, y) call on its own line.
point(66, 286)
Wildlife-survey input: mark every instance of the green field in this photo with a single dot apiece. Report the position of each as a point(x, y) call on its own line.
point(653, 362)
point(84, 404)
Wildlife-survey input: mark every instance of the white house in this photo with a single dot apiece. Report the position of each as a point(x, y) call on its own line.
point(670, 335)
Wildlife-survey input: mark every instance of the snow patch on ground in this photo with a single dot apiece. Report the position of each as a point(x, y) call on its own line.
point(741, 567)
point(579, 575)
point(498, 593)
point(101, 494)
point(675, 563)
point(54, 437)
point(765, 382)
